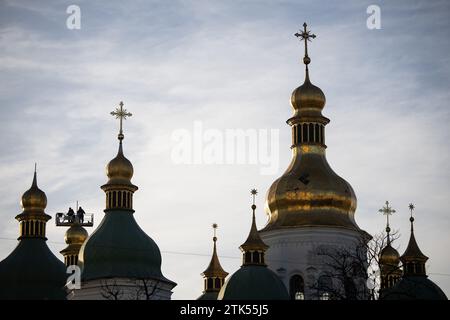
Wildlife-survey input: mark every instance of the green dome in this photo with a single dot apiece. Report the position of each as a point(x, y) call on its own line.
point(32, 272)
point(253, 282)
point(414, 288)
point(119, 248)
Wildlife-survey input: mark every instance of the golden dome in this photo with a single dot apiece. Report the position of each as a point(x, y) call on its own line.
point(76, 234)
point(310, 193)
point(119, 170)
point(307, 99)
point(389, 256)
point(34, 199)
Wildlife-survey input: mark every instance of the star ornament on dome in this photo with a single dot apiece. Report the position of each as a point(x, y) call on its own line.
point(411, 208)
point(254, 192)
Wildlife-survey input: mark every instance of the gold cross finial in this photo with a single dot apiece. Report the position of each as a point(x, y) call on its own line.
point(306, 36)
point(121, 114)
point(387, 211)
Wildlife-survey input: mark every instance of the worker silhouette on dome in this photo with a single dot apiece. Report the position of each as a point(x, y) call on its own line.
point(80, 215)
point(70, 214)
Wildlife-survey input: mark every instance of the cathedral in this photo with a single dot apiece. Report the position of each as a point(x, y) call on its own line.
point(311, 219)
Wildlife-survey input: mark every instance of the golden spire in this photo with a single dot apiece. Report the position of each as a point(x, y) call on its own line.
point(254, 241)
point(413, 259)
point(308, 100)
point(214, 268)
point(119, 189)
point(34, 199)
point(389, 258)
point(387, 211)
point(305, 36)
point(309, 193)
point(33, 217)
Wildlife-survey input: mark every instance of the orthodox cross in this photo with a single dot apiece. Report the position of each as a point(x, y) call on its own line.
point(121, 114)
point(306, 36)
point(387, 211)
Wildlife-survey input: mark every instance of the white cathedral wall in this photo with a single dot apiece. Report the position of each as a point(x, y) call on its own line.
point(127, 289)
point(293, 252)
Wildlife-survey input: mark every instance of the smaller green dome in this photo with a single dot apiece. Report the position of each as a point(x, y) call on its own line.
point(253, 282)
point(414, 288)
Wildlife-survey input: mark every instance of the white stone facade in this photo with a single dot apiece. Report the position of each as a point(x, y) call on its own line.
point(122, 289)
point(293, 251)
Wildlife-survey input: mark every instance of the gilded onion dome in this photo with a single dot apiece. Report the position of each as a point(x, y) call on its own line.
point(309, 193)
point(389, 256)
point(76, 234)
point(34, 199)
point(214, 275)
point(119, 170)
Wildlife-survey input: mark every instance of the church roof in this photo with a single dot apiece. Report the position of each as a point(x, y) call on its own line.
point(39, 272)
point(412, 252)
point(253, 282)
point(119, 248)
point(413, 288)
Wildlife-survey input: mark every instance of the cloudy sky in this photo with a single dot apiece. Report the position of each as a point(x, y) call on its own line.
point(229, 65)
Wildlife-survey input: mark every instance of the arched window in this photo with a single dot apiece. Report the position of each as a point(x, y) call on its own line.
point(210, 283)
point(325, 286)
point(114, 198)
point(322, 134)
point(297, 287)
point(255, 257)
point(217, 283)
point(316, 133)
point(120, 199)
point(248, 257)
point(305, 132)
point(311, 133)
point(294, 135)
